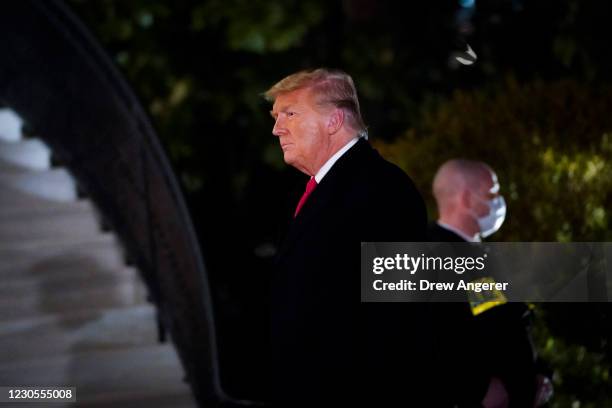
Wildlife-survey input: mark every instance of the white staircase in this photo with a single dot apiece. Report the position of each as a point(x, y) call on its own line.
point(71, 312)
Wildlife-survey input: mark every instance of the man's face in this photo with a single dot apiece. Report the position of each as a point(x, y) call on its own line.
point(301, 129)
point(487, 190)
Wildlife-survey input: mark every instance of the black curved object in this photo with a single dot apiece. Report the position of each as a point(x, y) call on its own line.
point(53, 74)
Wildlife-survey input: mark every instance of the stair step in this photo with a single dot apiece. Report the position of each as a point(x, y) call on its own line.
point(19, 259)
point(124, 291)
point(53, 279)
point(14, 202)
point(105, 375)
point(76, 224)
point(30, 154)
point(54, 335)
point(8, 167)
point(53, 184)
point(10, 125)
point(181, 400)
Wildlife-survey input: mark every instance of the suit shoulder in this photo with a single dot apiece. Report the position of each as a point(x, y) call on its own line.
point(435, 233)
point(387, 173)
point(365, 172)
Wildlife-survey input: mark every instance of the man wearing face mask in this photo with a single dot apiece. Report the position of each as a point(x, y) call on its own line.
point(469, 204)
point(502, 370)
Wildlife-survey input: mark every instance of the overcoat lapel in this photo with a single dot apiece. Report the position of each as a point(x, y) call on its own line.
point(323, 196)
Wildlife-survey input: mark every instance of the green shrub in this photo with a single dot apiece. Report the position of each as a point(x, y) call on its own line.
point(550, 144)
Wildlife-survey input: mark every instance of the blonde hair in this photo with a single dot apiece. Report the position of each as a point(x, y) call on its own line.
point(330, 87)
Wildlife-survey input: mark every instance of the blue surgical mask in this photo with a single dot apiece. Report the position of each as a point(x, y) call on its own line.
point(491, 222)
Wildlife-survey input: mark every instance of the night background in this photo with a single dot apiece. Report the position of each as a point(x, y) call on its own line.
point(535, 106)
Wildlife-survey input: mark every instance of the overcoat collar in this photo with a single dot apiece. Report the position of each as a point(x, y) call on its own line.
point(319, 199)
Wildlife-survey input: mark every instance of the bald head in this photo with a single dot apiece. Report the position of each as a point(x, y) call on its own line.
point(456, 175)
point(458, 187)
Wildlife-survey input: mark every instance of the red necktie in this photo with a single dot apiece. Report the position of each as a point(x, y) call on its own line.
point(310, 186)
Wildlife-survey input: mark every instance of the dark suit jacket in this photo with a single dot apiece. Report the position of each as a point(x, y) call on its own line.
point(496, 343)
point(435, 233)
point(457, 352)
point(326, 345)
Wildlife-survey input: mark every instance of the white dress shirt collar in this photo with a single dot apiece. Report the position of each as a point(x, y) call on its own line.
point(475, 238)
point(332, 160)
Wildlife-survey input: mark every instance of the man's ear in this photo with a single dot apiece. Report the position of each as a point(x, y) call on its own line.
point(335, 121)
